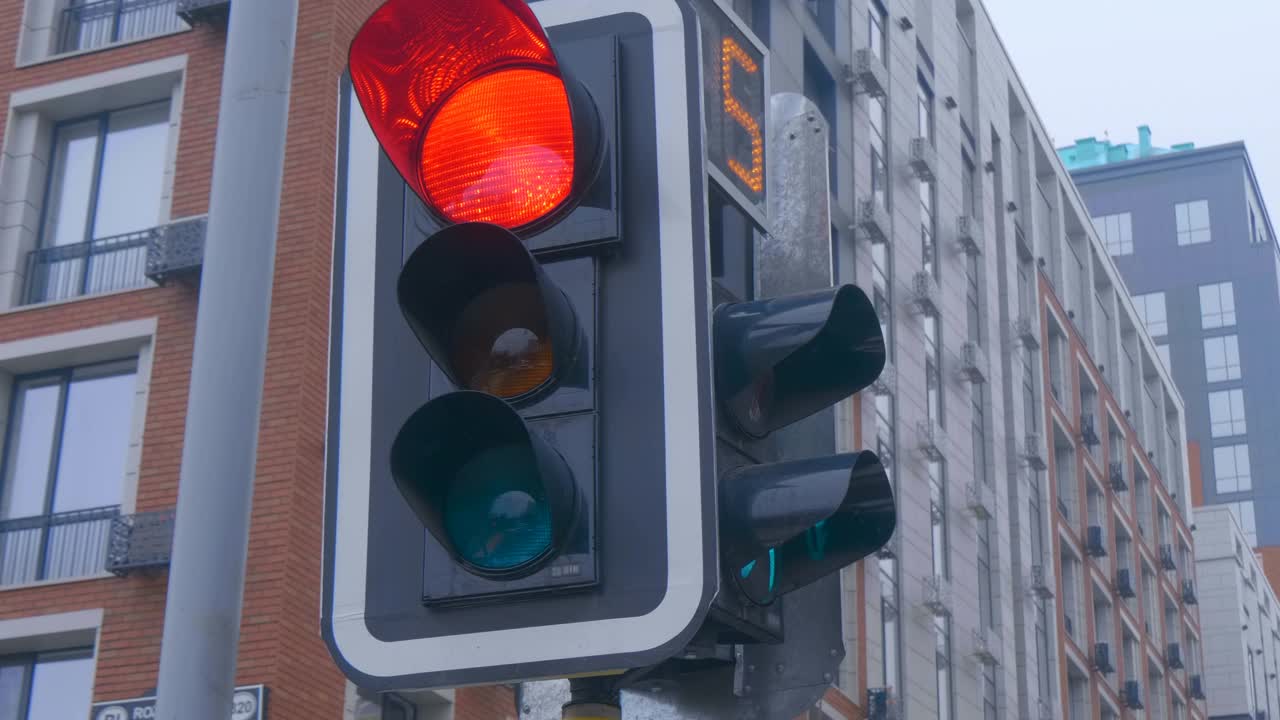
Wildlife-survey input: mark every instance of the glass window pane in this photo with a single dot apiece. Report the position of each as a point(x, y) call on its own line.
point(132, 171)
point(61, 688)
point(95, 442)
point(30, 449)
point(71, 185)
point(12, 678)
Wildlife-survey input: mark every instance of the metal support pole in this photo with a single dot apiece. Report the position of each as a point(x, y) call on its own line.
point(215, 491)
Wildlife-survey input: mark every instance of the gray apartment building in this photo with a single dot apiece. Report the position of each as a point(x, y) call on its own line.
point(1192, 237)
point(1042, 565)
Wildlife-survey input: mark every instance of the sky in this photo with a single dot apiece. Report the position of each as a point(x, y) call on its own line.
point(1199, 72)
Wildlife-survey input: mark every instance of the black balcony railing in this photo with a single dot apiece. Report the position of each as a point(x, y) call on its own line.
point(51, 547)
point(88, 25)
point(122, 262)
point(87, 268)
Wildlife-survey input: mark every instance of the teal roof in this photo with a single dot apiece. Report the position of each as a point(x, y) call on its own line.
point(1092, 152)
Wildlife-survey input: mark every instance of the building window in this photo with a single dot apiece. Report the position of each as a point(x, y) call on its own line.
point(1248, 523)
point(924, 108)
point(755, 13)
point(46, 685)
point(1163, 352)
point(879, 151)
point(821, 89)
point(1217, 305)
point(942, 660)
point(1231, 469)
point(105, 187)
point(1193, 222)
point(876, 36)
point(1226, 413)
point(1116, 232)
point(1151, 309)
point(1222, 358)
point(65, 461)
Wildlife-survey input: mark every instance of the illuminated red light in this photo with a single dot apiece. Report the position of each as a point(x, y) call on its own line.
point(468, 101)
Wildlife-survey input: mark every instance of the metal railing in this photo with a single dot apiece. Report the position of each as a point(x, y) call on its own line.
point(89, 25)
point(61, 545)
point(87, 268)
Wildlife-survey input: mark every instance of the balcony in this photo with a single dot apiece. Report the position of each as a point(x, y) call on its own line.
point(923, 159)
point(978, 500)
point(1189, 593)
point(142, 541)
point(90, 25)
point(111, 264)
point(984, 647)
point(1195, 687)
point(1038, 582)
point(871, 220)
point(969, 234)
point(1132, 694)
point(54, 547)
point(1115, 473)
point(930, 440)
point(1124, 583)
point(1025, 330)
point(1032, 452)
point(973, 363)
point(204, 11)
point(867, 74)
point(937, 595)
point(924, 294)
point(1102, 658)
point(1095, 543)
point(881, 704)
point(1089, 430)
point(885, 382)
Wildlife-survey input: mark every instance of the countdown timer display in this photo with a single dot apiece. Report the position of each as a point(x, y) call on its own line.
point(733, 78)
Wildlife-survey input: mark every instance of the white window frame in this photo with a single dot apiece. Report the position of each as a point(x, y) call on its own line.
point(28, 143)
point(1222, 317)
point(82, 347)
point(1116, 232)
point(1228, 348)
point(1189, 234)
point(53, 632)
point(1142, 303)
point(1236, 421)
point(40, 31)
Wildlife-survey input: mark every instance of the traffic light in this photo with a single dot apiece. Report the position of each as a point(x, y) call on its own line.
point(518, 424)
point(786, 524)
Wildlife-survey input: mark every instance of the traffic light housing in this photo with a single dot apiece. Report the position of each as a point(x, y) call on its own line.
point(516, 405)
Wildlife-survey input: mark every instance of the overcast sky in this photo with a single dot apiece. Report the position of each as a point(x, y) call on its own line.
point(1194, 71)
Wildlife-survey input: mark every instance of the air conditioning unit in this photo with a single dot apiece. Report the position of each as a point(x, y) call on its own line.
point(867, 74)
point(973, 363)
point(1039, 582)
point(930, 440)
point(884, 384)
point(1089, 429)
point(1189, 593)
point(1166, 558)
point(983, 648)
point(969, 234)
point(1115, 472)
point(923, 159)
point(1095, 544)
point(937, 595)
point(1132, 694)
point(978, 499)
point(1195, 687)
point(1027, 331)
point(871, 220)
point(1124, 583)
point(1102, 658)
point(1173, 656)
point(1033, 452)
point(924, 293)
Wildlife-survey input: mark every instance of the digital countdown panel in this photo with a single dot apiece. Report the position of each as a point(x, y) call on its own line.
point(735, 104)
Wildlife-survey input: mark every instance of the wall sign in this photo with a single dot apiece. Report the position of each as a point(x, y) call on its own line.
point(248, 703)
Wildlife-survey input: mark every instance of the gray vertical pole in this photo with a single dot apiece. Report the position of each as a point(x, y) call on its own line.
point(215, 491)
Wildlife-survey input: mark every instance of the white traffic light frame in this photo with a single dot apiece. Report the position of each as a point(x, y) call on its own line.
point(539, 650)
